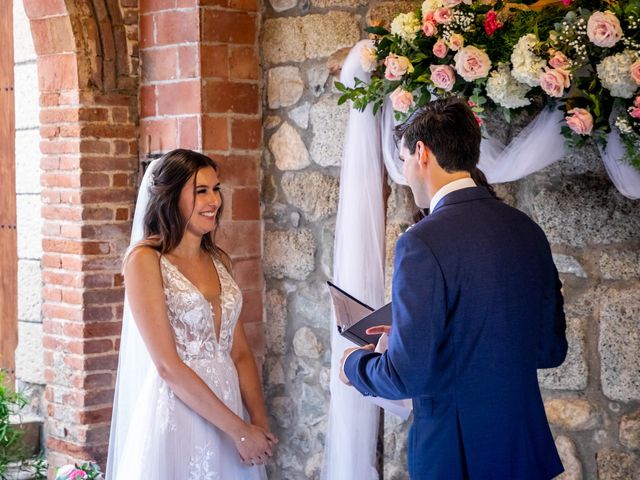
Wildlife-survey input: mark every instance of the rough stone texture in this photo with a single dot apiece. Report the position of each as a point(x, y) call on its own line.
point(283, 5)
point(271, 122)
point(328, 121)
point(617, 465)
point(630, 430)
point(568, 455)
point(276, 322)
point(315, 193)
point(325, 34)
point(620, 265)
point(571, 413)
point(568, 264)
point(572, 374)
point(288, 149)
point(29, 354)
point(289, 254)
point(384, 12)
point(282, 40)
point(317, 75)
point(586, 212)
point(29, 290)
point(306, 344)
point(284, 86)
point(338, 3)
point(619, 344)
point(300, 115)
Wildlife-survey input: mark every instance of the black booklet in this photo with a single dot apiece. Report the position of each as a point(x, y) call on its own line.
point(354, 317)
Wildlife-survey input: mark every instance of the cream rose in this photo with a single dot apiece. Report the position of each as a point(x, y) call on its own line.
point(396, 66)
point(456, 42)
point(451, 3)
point(369, 58)
point(440, 49)
point(472, 63)
point(635, 71)
point(553, 82)
point(603, 29)
point(580, 121)
point(443, 76)
point(401, 100)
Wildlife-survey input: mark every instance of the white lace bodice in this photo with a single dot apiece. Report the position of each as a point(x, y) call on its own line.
point(191, 315)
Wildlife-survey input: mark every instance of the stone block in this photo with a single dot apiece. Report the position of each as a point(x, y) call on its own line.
point(28, 161)
point(569, 457)
point(23, 49)
point(384, 12)
point(326, 33)
point(617, 465)
point(571, 413)
point(568, 264)
point(585, 211)
point(282, 5)
point(311, 306)
point(620, 265)
point(29, 290)
point(572, 374)
point(337, 3)
point(29, 224)
point(289, 254)
point(329, 121)
point(288, 149)
point(317, 75)
point(300, 115)
point(315, 193)
point(284, 86)
point(306, 344)
point(619, 344)
point(283, 411)
point(29, 354)
point(276, 322)
point(26, 96)
point(274, 372)
point(630, 430)
point(282, 40)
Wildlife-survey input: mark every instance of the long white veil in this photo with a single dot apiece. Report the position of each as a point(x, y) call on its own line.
point(134, 364)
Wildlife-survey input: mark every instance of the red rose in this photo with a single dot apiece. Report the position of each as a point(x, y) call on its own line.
point(491, 23)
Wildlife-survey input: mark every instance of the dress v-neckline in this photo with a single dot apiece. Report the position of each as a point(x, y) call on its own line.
point(216, 335)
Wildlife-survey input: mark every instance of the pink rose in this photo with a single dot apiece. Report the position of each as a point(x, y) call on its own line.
point(580, 121)
point(443, 76)
point(560, 61)
point(566, 3)
point(77, 474)
point(636, 101)
point(401, 100)
point(440, 49)
point(456, 42)
point(634, 112)
point(429, 26)
point(451, 3)
point(553, 82)
point(472, 63)
point(491, 23)
point(603, 29)
point(443, 15)
point(396, 67)
point(635, 72)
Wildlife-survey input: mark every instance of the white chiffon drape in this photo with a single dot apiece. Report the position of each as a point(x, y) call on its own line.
point(359, 239)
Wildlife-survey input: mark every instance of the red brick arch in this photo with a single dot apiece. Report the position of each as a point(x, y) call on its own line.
point(88, 97)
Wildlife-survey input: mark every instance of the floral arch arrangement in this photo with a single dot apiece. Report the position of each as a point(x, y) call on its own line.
point(581, 56)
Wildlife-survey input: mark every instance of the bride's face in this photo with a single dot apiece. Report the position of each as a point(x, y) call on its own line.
point(200, 200)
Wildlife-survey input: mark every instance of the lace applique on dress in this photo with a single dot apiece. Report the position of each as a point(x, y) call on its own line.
point(166, 408)
point(200, 464)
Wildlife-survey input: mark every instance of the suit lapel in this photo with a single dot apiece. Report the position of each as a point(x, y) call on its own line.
point(463, 195)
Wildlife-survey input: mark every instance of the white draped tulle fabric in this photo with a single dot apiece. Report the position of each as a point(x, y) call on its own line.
point(350, 449)
point(154, 434)
point(359, 239)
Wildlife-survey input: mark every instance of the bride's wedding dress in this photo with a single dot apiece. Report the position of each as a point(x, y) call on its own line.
point(167, 440)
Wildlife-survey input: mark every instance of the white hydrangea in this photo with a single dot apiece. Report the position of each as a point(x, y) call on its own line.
point(505, 90)
point(527, 67)
point(614, 72)
point(406, 25)
point(431, 5)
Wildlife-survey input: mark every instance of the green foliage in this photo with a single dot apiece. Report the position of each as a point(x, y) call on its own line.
point(12, 448)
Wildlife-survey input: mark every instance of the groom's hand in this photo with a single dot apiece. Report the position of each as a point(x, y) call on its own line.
point(346, 353)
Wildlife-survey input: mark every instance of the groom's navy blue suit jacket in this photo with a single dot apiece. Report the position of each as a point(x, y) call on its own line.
point(477, 309)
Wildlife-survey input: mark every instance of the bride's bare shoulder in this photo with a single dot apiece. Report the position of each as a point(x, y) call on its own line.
point(141, 257)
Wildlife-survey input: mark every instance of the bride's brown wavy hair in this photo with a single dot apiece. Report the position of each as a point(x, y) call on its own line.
point(164, 226)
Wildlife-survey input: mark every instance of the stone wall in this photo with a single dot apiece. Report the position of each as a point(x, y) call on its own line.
point(592, 400)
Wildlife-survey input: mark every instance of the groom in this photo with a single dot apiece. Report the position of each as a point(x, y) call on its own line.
point(477, 309)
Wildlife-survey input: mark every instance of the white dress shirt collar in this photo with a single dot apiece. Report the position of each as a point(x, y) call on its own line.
point(448, 188)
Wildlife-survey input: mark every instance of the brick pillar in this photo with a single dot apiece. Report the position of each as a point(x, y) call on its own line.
point(89, 159)
point(200, 89)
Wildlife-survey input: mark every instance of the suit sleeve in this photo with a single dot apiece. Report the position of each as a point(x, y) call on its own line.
point(419, 313)
point(553, 341)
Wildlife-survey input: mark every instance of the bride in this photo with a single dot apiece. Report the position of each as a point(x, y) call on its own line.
point(185, 365)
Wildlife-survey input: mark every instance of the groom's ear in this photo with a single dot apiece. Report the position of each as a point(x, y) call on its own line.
point(423, 153)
